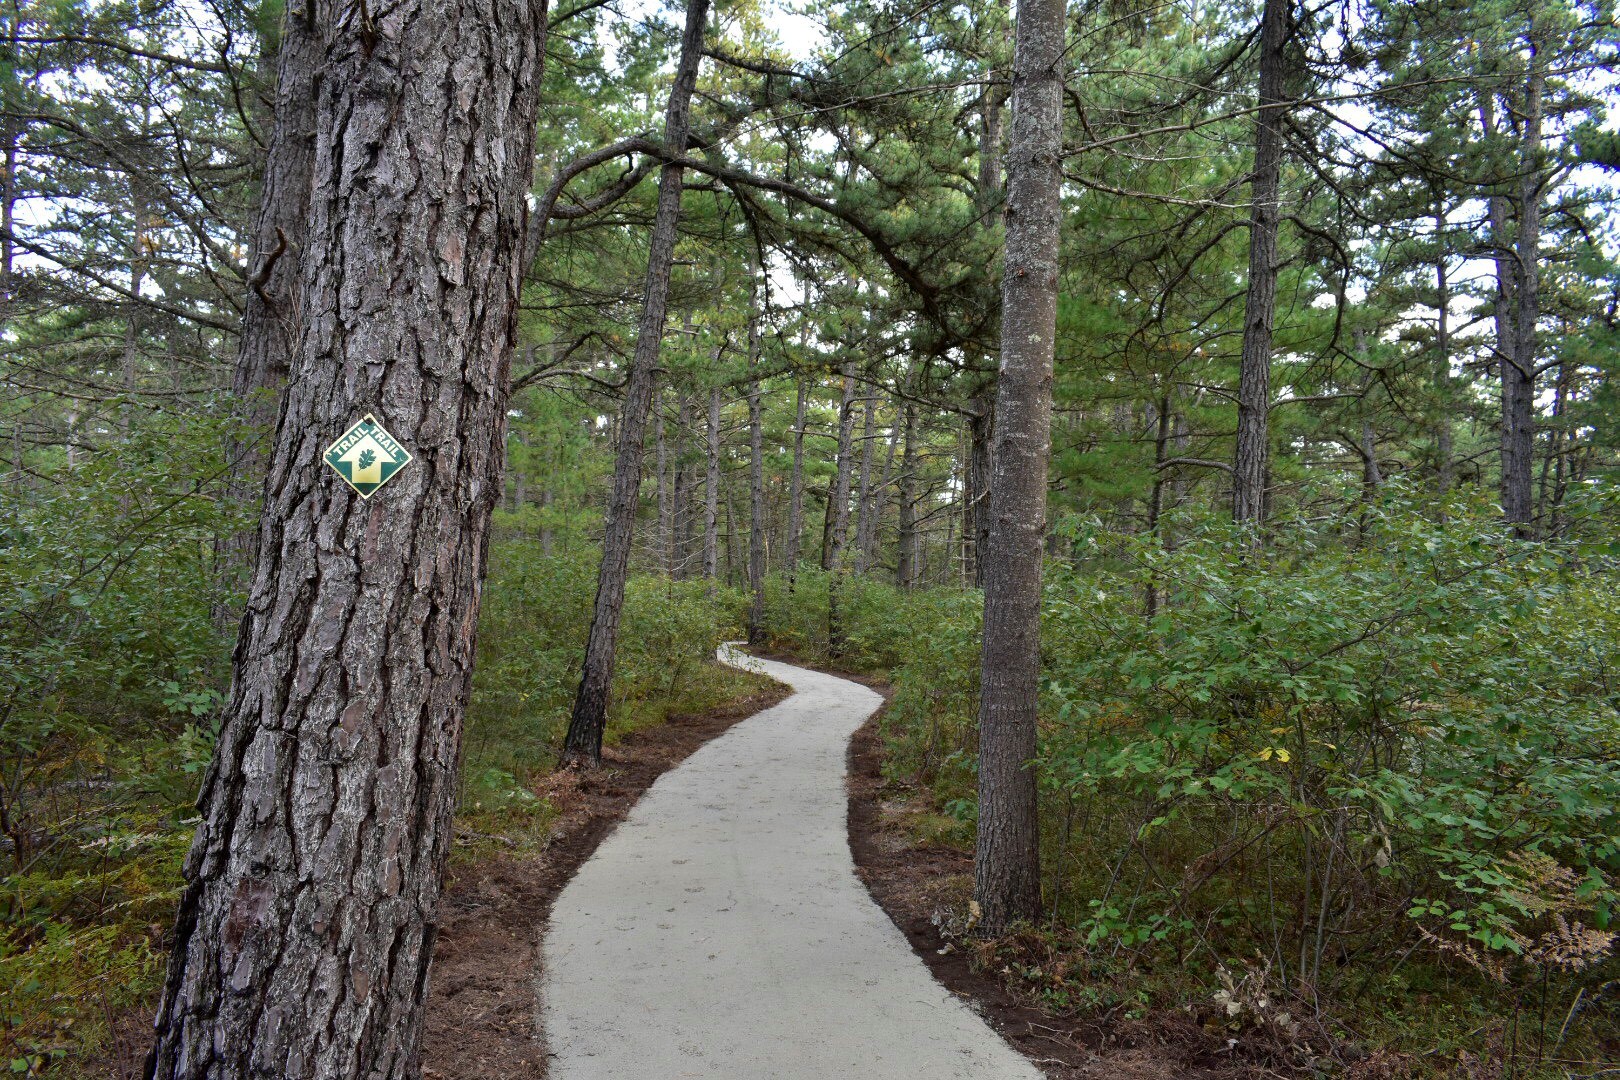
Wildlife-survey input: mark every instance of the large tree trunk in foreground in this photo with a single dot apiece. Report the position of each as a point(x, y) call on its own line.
point(1007, 880)
point(583, 743)
point(306, 927)
point(1260, 307)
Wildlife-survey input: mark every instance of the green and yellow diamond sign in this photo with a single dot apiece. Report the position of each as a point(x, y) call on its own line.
point(367, 457)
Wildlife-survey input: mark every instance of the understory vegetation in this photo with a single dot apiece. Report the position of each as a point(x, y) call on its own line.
point(113, 660)
point(1363, 785)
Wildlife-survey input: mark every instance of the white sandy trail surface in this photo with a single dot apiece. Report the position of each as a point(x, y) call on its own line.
point(721, 933)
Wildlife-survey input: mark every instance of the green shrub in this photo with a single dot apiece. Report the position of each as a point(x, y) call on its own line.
point(1384, 742)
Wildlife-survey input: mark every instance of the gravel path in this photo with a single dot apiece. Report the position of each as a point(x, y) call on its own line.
point(721, 932)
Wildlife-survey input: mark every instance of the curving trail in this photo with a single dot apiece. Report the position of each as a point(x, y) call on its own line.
point(721, 932)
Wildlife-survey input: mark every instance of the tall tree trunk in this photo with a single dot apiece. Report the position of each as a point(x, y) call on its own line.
point(1562, 437)
point(11, 132)
point(838, 515)
point(711, 491)
point(1519, 373)
point(303, 939)
point(981, 455)
point(1007, 879)
point(1514, 359)
point(1161, 454)
point(583, 743)
point(684, 487)
point(666, 498)
point(837, 521)
point(878, 502)
point(905, 573)
point(1444, 465)
point(863, 483)
point(795, 522)
point(1250, 470)
point(756, 482)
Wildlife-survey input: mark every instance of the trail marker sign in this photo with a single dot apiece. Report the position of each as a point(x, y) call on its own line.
point(366, 456)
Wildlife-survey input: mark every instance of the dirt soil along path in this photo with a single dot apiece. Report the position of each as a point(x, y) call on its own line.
point(721, 932)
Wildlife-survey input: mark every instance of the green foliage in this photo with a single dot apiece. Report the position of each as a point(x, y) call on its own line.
point(531, 639)
point(1388, 739)
point(1407, 717)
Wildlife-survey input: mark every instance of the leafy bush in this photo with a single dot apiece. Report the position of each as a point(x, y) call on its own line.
point(858, 623)
point(531, 641)
point(1378, 732)
point(1327, 760)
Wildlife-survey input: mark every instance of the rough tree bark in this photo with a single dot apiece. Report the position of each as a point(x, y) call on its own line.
point(837, 534)
point(711, 490)
point(863, 483)
point(666, 501)
point(905, 573)
point(303, 939)
point(1161, 455)
point(873, 539)
point(976, 511)
point(1260, 306)
point(685, 486)
point(795, 522)
point(583, 743)
point(1007, 880)
point(756, 482)
point(837, 520)
point(1519, 369)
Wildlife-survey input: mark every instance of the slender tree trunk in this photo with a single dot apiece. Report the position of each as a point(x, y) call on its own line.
point(879, 502)
point(976, 521)
point(711, 491)
point(583, 743)
point(1161, 454)
point(684, 486)
point(1442, 344)
point(1514, 358)
point(905, 573)
point(837, 521)
point(757, 523)
point(1007, 879)
point(304, 933)
point(1562, 437)
point(838, 515)
point(1519, 374)
point(795, 522)
point(863, 485)
point(666, 499)
point(1260, 307)
point(11, 131)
